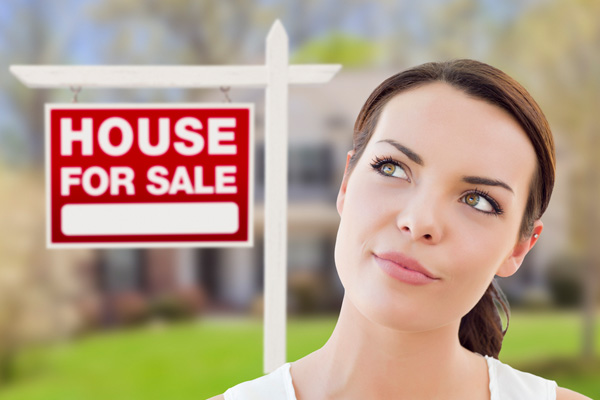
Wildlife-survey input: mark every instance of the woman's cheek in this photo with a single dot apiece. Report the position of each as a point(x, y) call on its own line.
point(472, 278)
point(345, 252)
point(357, 225)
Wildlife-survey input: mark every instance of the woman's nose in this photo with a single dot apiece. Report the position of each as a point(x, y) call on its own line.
point(420, 218)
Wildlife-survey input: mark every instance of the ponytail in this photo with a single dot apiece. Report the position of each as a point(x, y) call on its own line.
point(481, 329)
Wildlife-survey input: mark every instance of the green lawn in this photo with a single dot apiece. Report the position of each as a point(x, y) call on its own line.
point(546, 344)
point(200, 359)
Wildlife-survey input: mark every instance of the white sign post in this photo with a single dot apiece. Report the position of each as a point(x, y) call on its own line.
point(275, 76)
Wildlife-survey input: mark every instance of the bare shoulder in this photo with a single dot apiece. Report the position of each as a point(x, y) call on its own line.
point(566, 394)
point(219, 397)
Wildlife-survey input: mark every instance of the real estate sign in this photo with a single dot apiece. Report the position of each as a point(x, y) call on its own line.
point(148, 175)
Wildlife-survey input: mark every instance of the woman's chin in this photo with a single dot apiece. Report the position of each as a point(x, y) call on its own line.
point(377, 309)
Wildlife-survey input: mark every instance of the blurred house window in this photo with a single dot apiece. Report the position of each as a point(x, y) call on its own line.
point(207, 270)
point(310, 165)
point(310, 170)
point(307, 253)
point(259, 166)
point(121, 270)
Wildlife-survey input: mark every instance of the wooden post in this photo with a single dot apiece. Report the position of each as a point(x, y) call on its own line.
point(276, 167)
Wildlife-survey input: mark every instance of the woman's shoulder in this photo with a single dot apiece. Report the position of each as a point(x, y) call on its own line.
point(566, 394)
point(275, 386)
point(509, 382)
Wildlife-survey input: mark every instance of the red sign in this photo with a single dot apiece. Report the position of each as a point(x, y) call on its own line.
point(149, 175)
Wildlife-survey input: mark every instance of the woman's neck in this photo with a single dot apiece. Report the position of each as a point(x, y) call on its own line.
point(365, 360)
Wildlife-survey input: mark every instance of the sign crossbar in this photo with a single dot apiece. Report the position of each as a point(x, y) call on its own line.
point(123, 77)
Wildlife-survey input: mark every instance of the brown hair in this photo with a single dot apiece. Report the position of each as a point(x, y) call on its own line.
point(481, 329)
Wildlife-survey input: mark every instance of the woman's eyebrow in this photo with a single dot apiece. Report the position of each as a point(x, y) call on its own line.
point(408, 152)
point(477, 180)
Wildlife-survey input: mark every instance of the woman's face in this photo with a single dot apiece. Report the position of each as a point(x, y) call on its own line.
point(432, 209)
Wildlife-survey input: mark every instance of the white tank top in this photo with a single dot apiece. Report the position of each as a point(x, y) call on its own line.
point(506, 383)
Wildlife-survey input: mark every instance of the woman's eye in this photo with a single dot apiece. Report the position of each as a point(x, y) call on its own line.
point(390, 169)
point(479, 202)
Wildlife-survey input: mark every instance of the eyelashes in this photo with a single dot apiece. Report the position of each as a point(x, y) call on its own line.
point(387, 166)
point(488, 206)
point(477, 199)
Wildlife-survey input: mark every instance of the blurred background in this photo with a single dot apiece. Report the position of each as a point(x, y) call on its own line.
point(186, 323)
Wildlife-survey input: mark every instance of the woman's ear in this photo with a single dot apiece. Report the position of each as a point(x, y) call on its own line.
point(342, 193)
point(515, 259)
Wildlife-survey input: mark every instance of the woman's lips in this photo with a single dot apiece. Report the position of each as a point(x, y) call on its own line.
point(403, 268)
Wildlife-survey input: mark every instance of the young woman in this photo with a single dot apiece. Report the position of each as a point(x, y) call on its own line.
point(452, 167)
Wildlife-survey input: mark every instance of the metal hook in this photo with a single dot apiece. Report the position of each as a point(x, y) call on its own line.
point(225, 90)
point(75, 90)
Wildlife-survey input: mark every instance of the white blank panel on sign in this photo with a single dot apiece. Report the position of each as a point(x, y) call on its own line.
point(149, 218)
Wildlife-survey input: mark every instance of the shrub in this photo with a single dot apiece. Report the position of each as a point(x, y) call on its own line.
point(184, 303)
point(565, 279)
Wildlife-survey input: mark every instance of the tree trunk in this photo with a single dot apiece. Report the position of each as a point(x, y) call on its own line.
point(592, 240)
point(7, 366)
point(590, 287)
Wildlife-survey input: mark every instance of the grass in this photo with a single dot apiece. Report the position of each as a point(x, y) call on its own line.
point(547, 344)
point(200, 359)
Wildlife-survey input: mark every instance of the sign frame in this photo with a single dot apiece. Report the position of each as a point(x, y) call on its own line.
point(249, 242)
